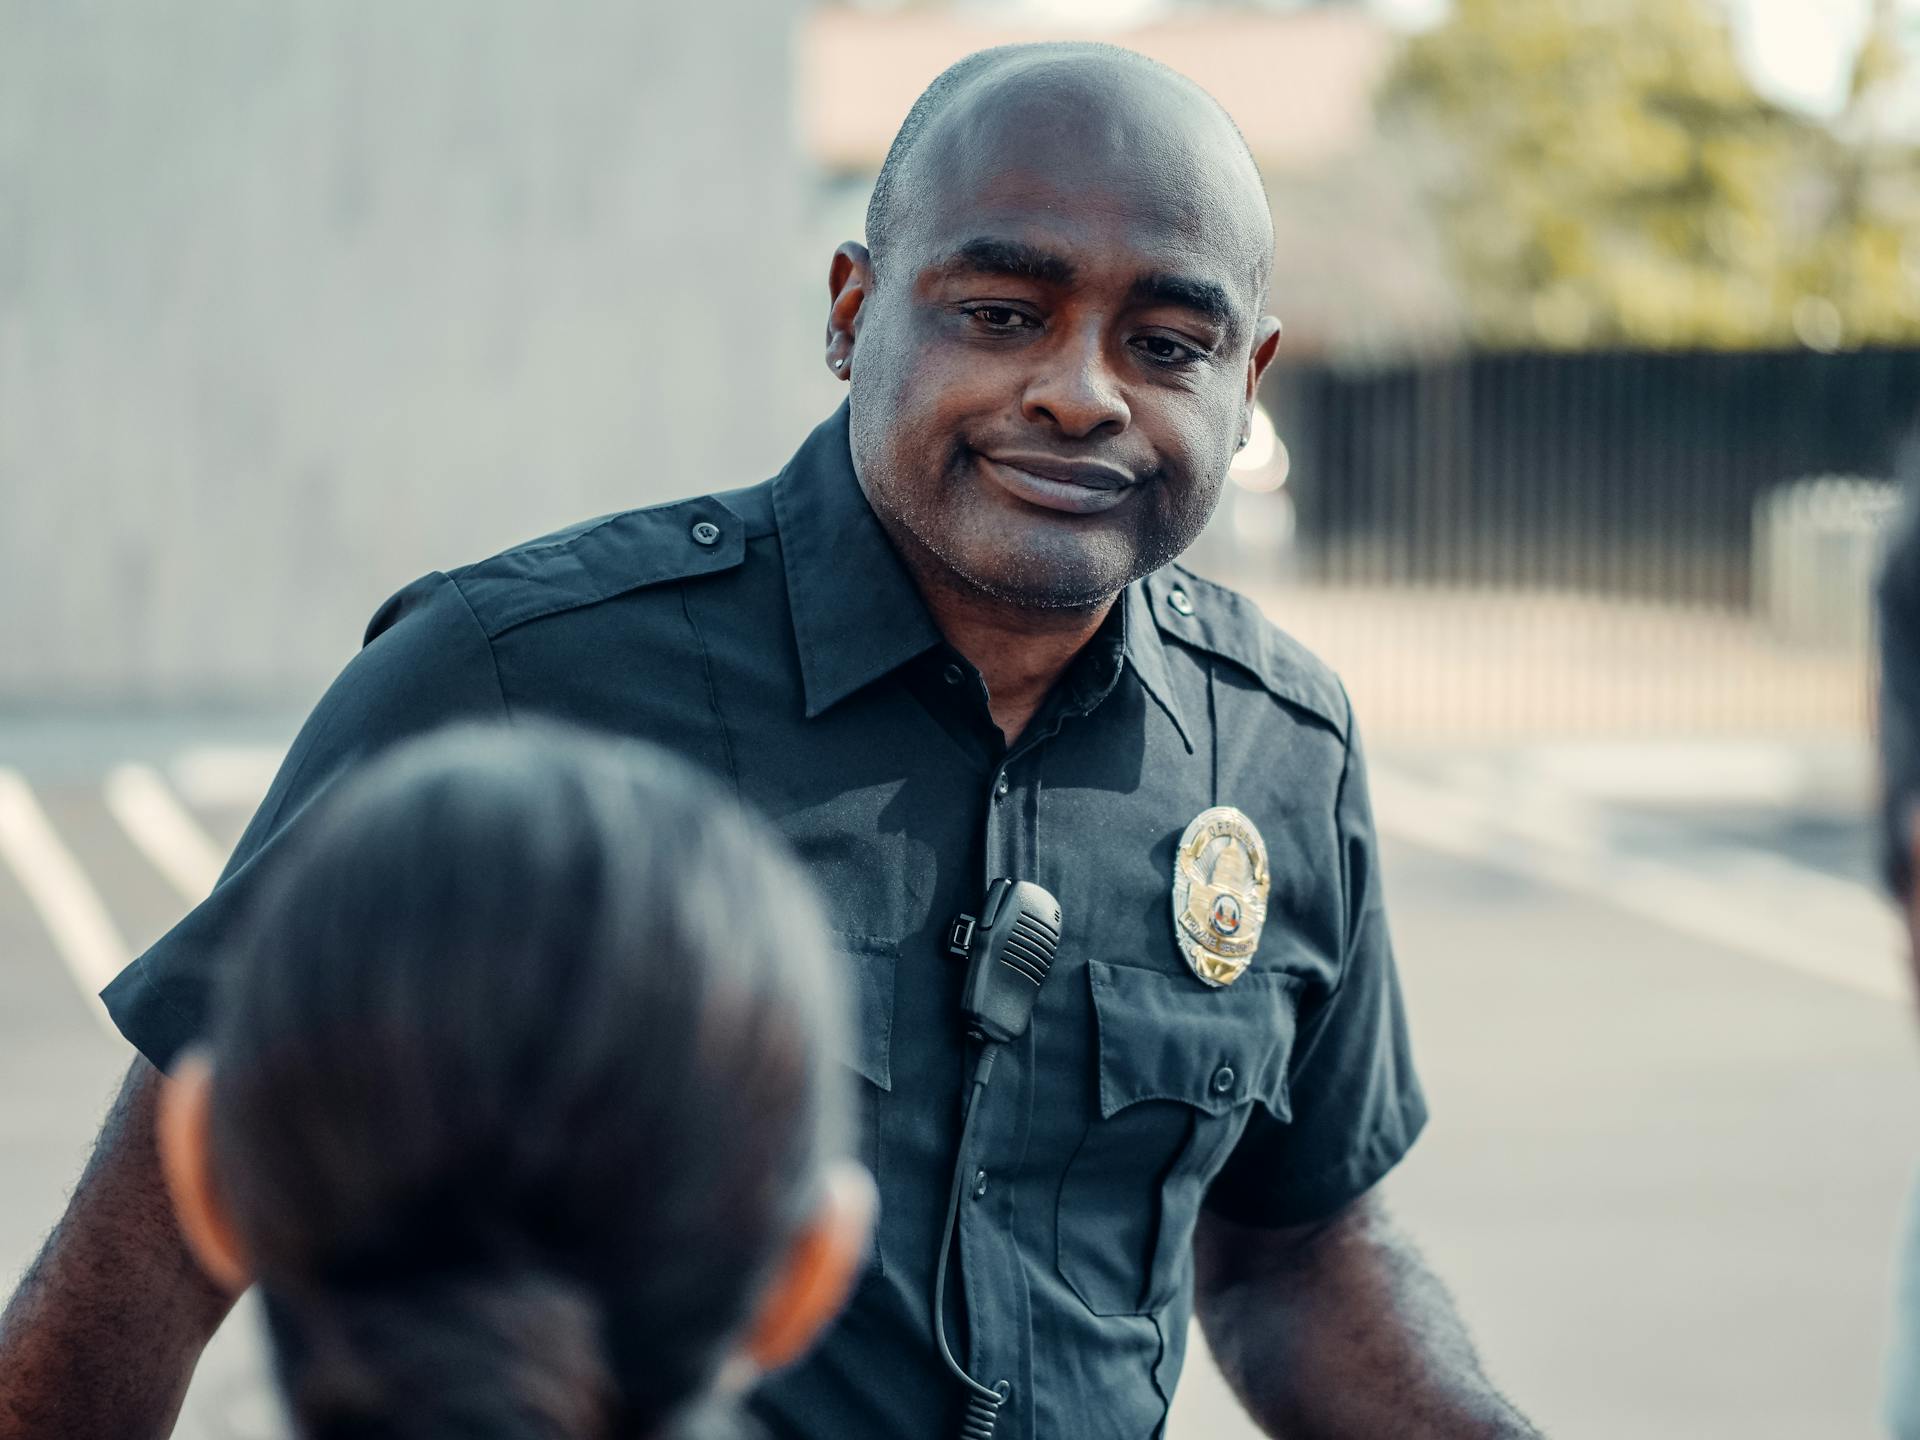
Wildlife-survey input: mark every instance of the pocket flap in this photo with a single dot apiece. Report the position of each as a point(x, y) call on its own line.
point(1170, 1037)
point(870, 966)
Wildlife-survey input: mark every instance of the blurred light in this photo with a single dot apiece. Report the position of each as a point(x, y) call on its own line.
point(1800, 52)
point(1263, 462)
point(1411, 14)
point(1816, 320)
point(1091, 14)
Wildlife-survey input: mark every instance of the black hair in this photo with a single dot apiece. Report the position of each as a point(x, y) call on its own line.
point(884, 205)
point(521, 1084)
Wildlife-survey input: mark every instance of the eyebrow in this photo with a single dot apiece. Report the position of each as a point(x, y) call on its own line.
point(1204, 297)
point(985, 255)
point(988, 255)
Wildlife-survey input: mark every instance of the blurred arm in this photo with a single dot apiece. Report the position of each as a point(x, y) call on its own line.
point(1338, 1331)
point(103, 1333)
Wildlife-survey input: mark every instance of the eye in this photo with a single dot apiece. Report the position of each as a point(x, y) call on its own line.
point(1002, 318)
point(1164, 350)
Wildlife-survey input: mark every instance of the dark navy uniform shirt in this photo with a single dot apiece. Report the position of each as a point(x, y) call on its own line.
point(772, 635)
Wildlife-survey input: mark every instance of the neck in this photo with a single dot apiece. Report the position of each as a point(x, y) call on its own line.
point(1020, 651)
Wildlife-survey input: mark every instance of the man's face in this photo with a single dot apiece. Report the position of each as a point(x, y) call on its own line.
point(1052, 370)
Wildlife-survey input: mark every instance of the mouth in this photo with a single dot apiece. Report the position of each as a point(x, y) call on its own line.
point(1073, 487)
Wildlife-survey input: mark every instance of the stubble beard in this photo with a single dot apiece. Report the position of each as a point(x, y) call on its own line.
point(920, 516)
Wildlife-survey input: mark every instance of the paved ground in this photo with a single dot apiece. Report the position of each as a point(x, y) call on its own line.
point(1656, 1006)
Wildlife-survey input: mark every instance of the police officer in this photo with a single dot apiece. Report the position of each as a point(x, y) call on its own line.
point(949, 643)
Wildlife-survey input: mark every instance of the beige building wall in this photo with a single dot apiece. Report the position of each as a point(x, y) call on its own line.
point(301, 299)
point(1299, 84)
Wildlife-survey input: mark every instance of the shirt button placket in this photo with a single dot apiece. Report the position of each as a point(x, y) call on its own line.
point(989, 1262)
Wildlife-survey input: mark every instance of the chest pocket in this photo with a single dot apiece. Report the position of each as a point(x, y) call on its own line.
point(869, 1049)
point(1179, 1067)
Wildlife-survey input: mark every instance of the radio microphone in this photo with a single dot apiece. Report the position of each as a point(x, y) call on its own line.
point(1009, 950)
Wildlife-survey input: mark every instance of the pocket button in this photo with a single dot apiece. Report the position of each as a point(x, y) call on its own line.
point(1223, 1080)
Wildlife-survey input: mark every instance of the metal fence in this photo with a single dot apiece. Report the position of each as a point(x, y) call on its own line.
point(1581, 543)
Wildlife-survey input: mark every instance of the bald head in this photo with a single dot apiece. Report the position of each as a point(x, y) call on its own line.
point(1093, 106)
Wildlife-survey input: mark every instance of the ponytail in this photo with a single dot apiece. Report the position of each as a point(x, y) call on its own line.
point(514, 1356)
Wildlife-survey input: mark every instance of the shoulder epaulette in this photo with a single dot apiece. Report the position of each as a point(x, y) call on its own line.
point(1224, 622)
point(599, 559)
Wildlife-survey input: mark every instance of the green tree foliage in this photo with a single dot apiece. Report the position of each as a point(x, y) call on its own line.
point(1605, 174)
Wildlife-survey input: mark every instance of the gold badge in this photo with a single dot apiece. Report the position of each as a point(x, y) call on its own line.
point(1219, 893)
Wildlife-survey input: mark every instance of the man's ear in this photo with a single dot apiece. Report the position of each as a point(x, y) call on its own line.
point(184, 1122)
point(849, 278)
point(1266, 344)
point(813, 1281)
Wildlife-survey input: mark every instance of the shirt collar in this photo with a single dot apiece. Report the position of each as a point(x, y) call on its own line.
point(856, 612)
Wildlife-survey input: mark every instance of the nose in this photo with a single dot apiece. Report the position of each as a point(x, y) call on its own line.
point(1076, 389)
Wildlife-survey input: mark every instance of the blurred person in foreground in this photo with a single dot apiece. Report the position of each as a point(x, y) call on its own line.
point(949, 643)
point(420, 1121)
point(1899, 737)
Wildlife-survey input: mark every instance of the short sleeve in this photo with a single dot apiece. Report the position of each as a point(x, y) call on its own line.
point(1356, 1102)
point(426, 663)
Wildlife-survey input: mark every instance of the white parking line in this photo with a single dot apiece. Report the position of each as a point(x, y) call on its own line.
point(59, 890)
point(1730, 896)
point(163, 829)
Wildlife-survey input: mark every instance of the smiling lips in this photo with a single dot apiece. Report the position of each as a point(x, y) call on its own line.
point(1077, 487)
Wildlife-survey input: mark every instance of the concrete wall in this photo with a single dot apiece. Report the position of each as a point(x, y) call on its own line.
point(301, 299)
